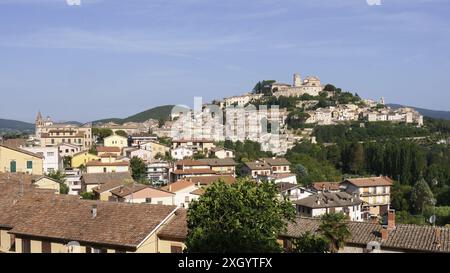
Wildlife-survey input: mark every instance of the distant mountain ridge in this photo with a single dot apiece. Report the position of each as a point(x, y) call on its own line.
point(15, 125)
point(425, 112)
point(158, 113)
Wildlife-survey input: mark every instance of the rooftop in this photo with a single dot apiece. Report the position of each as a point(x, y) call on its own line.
point(370, 181)
point(328, 200)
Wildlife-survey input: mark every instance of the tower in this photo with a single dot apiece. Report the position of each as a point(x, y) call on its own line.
point(297, 80)
point(39, 124)
point(382, 101)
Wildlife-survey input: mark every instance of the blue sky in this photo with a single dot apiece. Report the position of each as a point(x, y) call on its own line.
point(113, 58)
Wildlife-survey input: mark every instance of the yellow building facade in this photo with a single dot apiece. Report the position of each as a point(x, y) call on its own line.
point(15, 160)
point(83, 158)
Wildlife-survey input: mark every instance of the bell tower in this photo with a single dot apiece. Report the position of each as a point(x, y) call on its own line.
point(297, 80)
point(39, 124)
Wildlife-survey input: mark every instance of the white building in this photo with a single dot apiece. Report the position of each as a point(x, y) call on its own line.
point(181, 153)
point(52, 160)
point(66, 149)
point(183, 190)
point(73, 180)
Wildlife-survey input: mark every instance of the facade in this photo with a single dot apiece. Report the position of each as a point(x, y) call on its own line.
point(188, 168)
point(50, 134)
point(181, 153)
point(327, 202)
point(145, 155)
point(277, 168)
point(68, 150)
point(311, 85)
point(155, 148)
point(138, 139)
point(226, 166)
point(82, 158)
point(222, 153)
point(138, 193)
point(375, 192)
point(183, 190)
point(52, 160)
point(241, 100)
point(292, 192)
point(111, 166)
point(73, 180)
point(16, 160)
point(116, 141)
point(197, 145)
point(102, 150)
point(158, 170)
point(89, 181)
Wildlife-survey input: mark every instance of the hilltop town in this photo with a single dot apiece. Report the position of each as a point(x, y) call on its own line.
point(150, 173)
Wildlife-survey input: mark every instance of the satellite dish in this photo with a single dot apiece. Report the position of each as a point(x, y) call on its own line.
point(432, 219)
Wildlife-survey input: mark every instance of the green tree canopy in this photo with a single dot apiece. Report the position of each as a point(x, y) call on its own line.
point(121, 133)
point(244, 217)
point(138, 169)
point(310, 243)
point(421, 196)
point(334, 229)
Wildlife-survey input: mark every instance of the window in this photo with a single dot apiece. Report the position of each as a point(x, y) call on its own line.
point(148, 200)
point(49, 154)
point(104, 170)
point(186, 199)
point(160, 202)
point(29, 164)
point(46, 247)
point(26, 246)
point(176, 249)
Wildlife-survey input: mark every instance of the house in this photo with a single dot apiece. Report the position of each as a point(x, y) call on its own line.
point(107, 165)
point(278, 165)
point(330, 202)
point(140, 138)
point(101, 150)
point(187, 168)
point(255, 169)
point(226, 166)
point(372, 237)
point(40, 223)
point(82, 158)
point(115, 141)
point(68, 150)
point(92, 180)
point(51, 134)
point(181, 153)
point(200, 145)
point(172, 236)
point(103, 192)
point(375, 192)
point(52, 160)
point(205, 181)
point(157, 149)
point(145, 155)
point(325, 186)
point(292, 191)
point(138, 193)
point(14, 160)
point(21, 180)
point(279, 178)
point(222, 153)
point(73, 180)
point(158, 170)
point(183, 192)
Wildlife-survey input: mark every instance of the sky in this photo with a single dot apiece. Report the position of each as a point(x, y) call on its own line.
point(114, 58)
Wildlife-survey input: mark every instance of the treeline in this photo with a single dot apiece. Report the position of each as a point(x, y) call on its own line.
point(368, 132)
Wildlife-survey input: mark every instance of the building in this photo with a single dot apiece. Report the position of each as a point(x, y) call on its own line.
point(266, 167)
point(371, 237)
point(292, 191)
point(82, 158)
point(222, 153)
point(279, 178)
point(138, 193)
point(22, 181)
point(241, 100)
point(181, 153)
point(278, 165)
point(172, 236)
point(68, 150)
point(39, 223)
point(102, 150)
point(311, 85)
point(52, 160)
point(375, 192)
point(115, 141)
point(158, 171)
point(187, 168)
point(183, 192)
point(50, 134)
point(145, 155)
point(325, 187)
point(107, 166)
point(226, 166)
point(255, 169)
point(330, 202)
point(15, 160)
point(73, 180)
point(91, 180)
point(197, 145)
point(157, 149)
point(138, 139)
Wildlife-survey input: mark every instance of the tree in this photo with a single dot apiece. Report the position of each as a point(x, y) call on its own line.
point(334, 229)
point(121, 133)
point(138, 169)
point(102, 133)
point(87, 195)
point(329, 87)
point(310, 243)
point(61, 178)
point(421, 196)
point(244, 217)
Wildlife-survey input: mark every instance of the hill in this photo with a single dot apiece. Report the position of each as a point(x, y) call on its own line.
point(14, 125)
point(426, 112)
point(158, 113)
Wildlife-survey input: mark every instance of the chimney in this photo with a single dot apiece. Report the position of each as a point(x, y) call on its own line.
point(391, 219)
point(384, 234)
point(94, 211)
